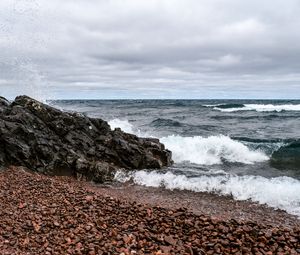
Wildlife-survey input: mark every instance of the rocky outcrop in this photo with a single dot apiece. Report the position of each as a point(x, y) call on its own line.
point(54, 142)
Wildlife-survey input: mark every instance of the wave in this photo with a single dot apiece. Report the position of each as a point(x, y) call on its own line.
point(169, 123)
point(211, 150)
point(279, 192)
point(254, 117)
point(256, 107)
point(260, 140)
point(160, 122)
point(201, 150)
point(226, 106)
point(287, 156)
point(214, 150)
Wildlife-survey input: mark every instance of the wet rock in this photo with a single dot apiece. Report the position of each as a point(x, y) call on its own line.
point(50, 141)
point(3, 102)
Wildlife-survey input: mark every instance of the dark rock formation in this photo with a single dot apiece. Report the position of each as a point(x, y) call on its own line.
point(50, 141)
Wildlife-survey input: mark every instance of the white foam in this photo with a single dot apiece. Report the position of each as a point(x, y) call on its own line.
point(211, 150)
point(262, 108)
point(279, 192)
point(123, 124)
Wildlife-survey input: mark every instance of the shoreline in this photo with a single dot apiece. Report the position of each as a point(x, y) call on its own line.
point(213, 205)
point(60, 215)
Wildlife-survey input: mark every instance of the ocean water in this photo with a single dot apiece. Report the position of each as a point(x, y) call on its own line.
point(249, 149)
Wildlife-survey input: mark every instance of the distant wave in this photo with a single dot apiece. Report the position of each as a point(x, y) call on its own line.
point(211, 150)
point(255, 107)
point(226, 106)
point(269, 116)
point(280, 192)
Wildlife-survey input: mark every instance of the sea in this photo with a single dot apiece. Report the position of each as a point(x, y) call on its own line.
point(246, 149)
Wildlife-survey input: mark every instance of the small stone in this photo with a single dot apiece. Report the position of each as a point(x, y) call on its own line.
point(170, 240)
point(56, 224)
point(89, 198)
point(22, 205)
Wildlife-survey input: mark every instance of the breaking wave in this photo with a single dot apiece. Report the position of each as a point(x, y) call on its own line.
point(211, 150)
point(201, 150)
point(278, 192)
point(219, 149)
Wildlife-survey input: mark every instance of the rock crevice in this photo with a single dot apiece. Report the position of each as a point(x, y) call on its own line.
point(50, 141)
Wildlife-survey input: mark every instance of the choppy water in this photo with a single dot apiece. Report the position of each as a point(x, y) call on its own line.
point(229, 147)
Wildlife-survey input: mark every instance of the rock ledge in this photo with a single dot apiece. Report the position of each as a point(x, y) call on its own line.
point(50, 141)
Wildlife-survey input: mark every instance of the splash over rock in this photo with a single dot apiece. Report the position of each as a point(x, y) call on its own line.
point(50, 141)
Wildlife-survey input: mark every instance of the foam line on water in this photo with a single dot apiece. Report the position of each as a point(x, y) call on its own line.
point(280, 192)
point(261, 108)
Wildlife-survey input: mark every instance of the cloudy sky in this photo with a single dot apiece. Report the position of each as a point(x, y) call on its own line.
point(150, 48)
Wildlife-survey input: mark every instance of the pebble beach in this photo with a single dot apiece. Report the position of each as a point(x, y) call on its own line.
point(60, 215)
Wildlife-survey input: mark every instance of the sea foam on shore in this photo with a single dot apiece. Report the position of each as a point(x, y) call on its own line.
point(255, 188)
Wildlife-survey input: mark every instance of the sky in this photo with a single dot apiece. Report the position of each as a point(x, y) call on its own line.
point(110, 49)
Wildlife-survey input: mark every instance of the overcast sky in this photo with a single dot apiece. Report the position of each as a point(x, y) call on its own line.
point(150, 48)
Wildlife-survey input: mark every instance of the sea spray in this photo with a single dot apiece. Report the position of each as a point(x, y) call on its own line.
point(127, 127)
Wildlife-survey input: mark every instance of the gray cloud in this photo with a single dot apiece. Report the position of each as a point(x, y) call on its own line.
point(153, 48)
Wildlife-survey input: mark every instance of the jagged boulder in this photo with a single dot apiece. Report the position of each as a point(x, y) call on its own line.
point(54, 142)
